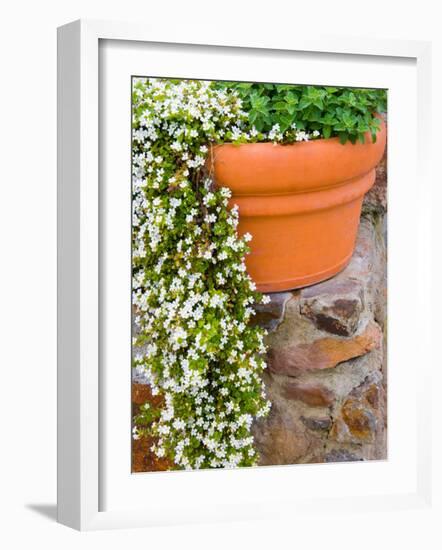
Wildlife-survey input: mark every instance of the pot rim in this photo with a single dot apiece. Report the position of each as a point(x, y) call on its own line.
point(266, 168)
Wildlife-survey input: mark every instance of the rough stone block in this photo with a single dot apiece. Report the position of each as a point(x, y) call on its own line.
point(271, 315)
point(334, 306)
point(341, 455)
point(317, 423)
point(282, 438)
point(323, 353)
point(313, 394)
point(376, 199)
point(362, 417)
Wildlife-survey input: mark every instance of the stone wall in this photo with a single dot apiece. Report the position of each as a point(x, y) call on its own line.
point(326, 375)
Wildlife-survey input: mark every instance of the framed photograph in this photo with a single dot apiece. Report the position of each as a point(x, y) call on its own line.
point(231, 217)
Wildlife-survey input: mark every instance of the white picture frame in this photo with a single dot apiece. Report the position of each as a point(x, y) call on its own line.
point(79, 368)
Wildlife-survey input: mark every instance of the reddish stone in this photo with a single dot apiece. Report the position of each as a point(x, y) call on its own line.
point(143, 459)
point(360, 419)
point(323, 353)
point(141, 393)
point(315, 395)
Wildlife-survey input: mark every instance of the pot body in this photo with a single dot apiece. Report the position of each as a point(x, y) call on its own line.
point(300, 202)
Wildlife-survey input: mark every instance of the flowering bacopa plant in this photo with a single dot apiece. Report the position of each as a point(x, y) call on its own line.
point(192, 297)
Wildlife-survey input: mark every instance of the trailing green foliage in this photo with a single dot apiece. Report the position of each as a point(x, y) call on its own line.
point(193, 297)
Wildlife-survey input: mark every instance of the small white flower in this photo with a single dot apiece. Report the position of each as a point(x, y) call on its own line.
point(183, 314)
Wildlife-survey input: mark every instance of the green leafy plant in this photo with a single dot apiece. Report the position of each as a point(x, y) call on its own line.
point(295, 111)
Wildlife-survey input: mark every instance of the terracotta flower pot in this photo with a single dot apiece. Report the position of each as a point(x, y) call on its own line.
point(300, 202)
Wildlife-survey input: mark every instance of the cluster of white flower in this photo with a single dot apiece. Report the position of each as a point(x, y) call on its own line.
point(276, 135)
point(193, 298)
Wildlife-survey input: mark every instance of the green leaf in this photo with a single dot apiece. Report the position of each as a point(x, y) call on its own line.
point(253, 115)
point(284, 122)
point(280, 106)
point(326, 132)
point(304, 103)
point(290, 97)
